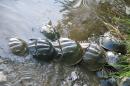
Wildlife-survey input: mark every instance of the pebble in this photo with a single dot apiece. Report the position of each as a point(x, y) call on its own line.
point(1, 61)
point(3, 78)
point(74, 75)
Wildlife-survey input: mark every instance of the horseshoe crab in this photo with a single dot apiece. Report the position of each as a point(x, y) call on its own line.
point(70, 51)
point(94, 57)
point(111, 43)
point(42, 49)
point(18, 46)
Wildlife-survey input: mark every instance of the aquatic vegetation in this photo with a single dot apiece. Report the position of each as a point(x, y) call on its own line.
point(50, 32)
point(123, 23)
point(124, 63)
point(84, 19)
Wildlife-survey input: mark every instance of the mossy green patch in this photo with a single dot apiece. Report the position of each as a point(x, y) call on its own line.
point(124, 62)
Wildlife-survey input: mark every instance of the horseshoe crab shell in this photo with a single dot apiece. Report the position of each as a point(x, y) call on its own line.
point(42, 49)
point(109, 42)
point(71, 50)
point(18, 46)
point(94, 57)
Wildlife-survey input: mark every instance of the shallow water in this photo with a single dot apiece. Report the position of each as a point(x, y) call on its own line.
point(23, 18)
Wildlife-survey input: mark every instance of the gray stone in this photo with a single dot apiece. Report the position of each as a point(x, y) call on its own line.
point(125, 81)
point(1, 61)
point(109, 82)
point(3, 77)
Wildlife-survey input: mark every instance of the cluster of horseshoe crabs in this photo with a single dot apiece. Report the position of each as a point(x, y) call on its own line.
point(68, 51)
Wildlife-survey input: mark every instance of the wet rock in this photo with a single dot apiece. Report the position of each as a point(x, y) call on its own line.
point(50, 32)
point(3, 66)
point(127, 10)
point(125, 81)
point(74, 76)
point(112, 58)
point(1, 61)
point(109, 82)
point(102, 74)
point(3, 77)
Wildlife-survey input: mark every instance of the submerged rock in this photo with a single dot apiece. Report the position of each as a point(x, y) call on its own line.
point(112, 58)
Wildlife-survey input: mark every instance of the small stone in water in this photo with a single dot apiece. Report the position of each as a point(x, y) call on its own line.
point(1, 61)
point(2, 77)
point(74, 76)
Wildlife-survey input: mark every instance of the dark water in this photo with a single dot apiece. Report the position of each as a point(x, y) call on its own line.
point(22, 18)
